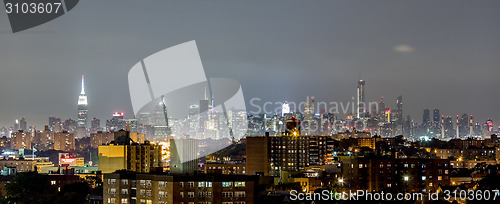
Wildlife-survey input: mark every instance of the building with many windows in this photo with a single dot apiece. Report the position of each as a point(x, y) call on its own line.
point(130, 187)
point(124, 154)
point(64, 141)
point(20, 140)
point(271, 154)
point(386, 174)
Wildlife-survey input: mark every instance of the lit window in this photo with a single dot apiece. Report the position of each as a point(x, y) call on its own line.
point(240, 194)
point(227, 194)
point(125, 182)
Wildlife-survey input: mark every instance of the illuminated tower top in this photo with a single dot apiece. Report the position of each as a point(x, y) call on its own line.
point(82, 107)
point(82, 99)
point(360, 99)
point(83, 85)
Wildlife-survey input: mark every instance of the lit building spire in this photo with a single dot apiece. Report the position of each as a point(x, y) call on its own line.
point(82, 112)
point(83, 85)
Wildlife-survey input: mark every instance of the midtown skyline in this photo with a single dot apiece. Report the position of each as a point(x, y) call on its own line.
point(434, 56)
point(358, 111)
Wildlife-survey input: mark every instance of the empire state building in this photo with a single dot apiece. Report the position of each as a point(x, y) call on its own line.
point(82, 112)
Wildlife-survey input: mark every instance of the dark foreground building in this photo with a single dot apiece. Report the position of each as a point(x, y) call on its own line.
point(130, 187)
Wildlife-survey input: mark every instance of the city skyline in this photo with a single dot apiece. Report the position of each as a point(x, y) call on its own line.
point(82, 117)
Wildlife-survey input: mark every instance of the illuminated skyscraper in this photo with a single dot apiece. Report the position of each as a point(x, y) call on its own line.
point(53, 121)
point(116, 123)
point(464, 124)
point(399, 110)
point(285, 108)
point(23, 125)
point(361, 109)
point(82, 112)
point(309, 108)
point(381, 110)
point(95, 125)
point(427, 117)
point(436, 118)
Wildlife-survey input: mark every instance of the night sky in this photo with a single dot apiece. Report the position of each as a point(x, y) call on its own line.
point(436, 54)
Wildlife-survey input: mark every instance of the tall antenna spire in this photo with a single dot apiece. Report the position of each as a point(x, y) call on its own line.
point(83, 85)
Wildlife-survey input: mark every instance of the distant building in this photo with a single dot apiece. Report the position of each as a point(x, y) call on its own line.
point(101, 138)
point(64, 141)
point(123, 154)
point(23, 125)
point(53, 121)
point(360, 99)
point(23, 165)
point(309, 108)
point(82, 112)
point(384, 174)
point(183, 156)
point(436, 117)
point(399, 110)
point(43, 139)
point(20, 140)
point(116, 123)
point(69, 125)
point(225, 168)
point(95, 125)
point(426, 119)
